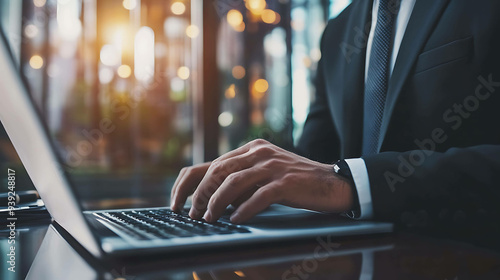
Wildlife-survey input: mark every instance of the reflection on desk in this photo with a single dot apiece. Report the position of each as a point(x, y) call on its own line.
point(27, 242)
point(367, 257)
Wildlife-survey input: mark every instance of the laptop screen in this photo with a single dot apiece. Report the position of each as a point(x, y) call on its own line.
point(113, 87)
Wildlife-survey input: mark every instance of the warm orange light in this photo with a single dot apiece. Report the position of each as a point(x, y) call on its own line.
point(261, 85)
point(278, 18)
point(129, 4)
point(239, 273)
point(234, 18)
point(36, 62)
point(39, 3)
point(183, 72)
point(238, 72)
point(124, 71)
point(257, 117)
point(178, 8)
point(307, 62)
point(240, 28)
point(230, 92)
point(268, 16)
point(259, 88)
point(195, 276)
point(192, 31)
point(256, 7)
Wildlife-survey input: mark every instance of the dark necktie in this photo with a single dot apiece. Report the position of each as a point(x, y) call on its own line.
point(378, 75)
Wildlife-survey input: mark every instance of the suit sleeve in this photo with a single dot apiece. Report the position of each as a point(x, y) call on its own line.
point(456, 192)
point(319, 140)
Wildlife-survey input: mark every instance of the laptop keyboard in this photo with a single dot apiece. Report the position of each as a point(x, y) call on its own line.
point(166, 224)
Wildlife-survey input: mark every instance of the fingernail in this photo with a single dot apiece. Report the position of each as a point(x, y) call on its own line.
point(208, 216)
point(235, 218)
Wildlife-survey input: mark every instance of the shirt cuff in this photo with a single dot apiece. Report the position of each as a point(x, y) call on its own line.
point(362, 184)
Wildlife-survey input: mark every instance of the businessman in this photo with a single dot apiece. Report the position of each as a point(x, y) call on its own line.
point(404, 126)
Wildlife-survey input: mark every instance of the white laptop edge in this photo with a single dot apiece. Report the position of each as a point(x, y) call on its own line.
point(27, 133)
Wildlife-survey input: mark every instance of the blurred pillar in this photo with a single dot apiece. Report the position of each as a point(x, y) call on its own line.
point(206, 88)
point(95, 107)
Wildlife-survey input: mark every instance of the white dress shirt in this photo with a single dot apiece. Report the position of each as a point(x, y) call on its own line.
point(357, 165)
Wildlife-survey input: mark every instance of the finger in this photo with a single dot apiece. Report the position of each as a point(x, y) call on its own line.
point(260, 200)
point(176, 183)
point(244, 149)
point(234, 187)
point(236, 152)
point(184, 190)
point(187, 185)
point(242, 198)
point(216, 174)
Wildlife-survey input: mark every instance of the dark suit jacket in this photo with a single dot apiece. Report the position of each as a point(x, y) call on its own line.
point(439, 165)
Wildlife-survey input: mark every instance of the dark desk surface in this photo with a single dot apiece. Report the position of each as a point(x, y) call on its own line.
point(391, 256)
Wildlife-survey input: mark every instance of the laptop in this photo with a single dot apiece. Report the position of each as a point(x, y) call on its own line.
point(127, 232)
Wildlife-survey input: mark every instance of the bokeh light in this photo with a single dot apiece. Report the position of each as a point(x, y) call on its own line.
point(129, 4)
point(36, 62)
point(31, 31)
point(110, 55)
point(268, 16)
point(230, 92)
point(315, 54)
point(192, 31)
point(68, 19)
point(124, 71)
point(178, 8)
point(259, 88)
point(307, 61)
point(144, 54)
point(39, 3)
point(183, 72)
point(261, 85)
point(240, 28)
point(238, 72)
point(256, 7)
point(234, 18)
point(225, 119)
point(277, 19)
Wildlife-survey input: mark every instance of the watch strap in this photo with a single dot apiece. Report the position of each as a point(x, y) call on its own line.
point(342, 169)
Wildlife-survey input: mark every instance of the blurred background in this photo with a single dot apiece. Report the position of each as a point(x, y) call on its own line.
point(133, 90)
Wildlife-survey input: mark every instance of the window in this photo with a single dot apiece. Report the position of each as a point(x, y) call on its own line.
point(134, 90)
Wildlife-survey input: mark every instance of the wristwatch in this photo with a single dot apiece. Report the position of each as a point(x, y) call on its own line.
point(342, 169)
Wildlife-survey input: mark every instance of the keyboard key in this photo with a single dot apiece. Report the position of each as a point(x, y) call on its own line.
point(166, 224)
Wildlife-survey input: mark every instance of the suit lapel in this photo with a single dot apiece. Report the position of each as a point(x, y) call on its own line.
point(422, 22)
point(354, 78)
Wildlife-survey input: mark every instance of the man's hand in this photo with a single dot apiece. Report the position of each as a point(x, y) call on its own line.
point(255, 176)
